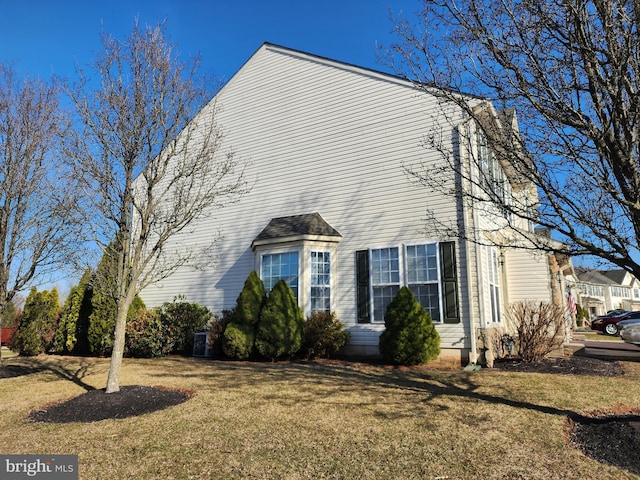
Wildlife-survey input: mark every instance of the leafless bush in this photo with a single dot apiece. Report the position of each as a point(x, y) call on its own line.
point(538, 328)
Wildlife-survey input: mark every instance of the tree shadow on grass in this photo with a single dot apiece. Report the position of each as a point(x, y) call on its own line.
point(588, 433)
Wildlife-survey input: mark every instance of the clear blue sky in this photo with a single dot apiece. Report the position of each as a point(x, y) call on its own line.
point(44, 36)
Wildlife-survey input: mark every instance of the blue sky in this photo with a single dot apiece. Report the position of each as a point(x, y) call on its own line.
point(43, 37)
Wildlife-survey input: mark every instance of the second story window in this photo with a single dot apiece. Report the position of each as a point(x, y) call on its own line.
point(492, 178)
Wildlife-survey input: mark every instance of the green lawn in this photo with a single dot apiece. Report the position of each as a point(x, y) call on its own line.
point(314, 421)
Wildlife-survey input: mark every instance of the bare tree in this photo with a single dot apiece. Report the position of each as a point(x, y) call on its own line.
point(571, 71)
point(152, 165)
point(38, 226)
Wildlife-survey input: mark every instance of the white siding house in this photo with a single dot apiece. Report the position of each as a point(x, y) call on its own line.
point(331, 208)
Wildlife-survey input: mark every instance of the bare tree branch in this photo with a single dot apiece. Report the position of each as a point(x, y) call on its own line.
point(570, 71)
point(38, 222)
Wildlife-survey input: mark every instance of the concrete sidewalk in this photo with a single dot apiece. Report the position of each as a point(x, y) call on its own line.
point(609, 349)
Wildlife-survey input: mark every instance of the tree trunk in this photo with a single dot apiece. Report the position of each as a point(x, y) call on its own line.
point(113, 380)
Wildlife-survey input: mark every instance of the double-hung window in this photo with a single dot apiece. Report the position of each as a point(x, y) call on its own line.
point(385, 279)
point(423, 278)
point(320, 295)
point(492, 177)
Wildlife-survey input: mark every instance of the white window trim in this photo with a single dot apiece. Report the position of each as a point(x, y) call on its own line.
point(371, 285)
point(277, 251)
point(332, 255)
point(304, 247)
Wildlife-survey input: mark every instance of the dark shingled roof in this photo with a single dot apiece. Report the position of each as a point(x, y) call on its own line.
point(615, 275)
point(308, 224)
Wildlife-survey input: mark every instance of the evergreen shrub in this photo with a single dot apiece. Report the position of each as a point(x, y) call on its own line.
point(323, 335)
point(239, 335)
point(216, 332)
point(36, 330)
point(238, 340)
point(146, 336)
point(279, 331)
point(182, 320)
point(409, 338)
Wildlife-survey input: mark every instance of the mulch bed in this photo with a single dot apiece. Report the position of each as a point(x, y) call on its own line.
point(574, 365)
point(613, 439)
point(96, 405)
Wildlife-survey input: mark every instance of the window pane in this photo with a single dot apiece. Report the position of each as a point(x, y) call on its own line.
point(280, 266)
point(429, 297)
point(385, 266)
point(382, 297)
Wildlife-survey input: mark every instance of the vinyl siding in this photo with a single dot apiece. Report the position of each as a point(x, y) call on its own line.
point(529, 277)
point(319, 137)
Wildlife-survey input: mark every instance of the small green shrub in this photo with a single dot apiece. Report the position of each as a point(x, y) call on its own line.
point(410, 338)
point(146, 336)
point(238, 341)
point(182, 320)
point(281, 324)
point(323, 335)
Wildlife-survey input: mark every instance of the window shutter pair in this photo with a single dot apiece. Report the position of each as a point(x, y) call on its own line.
point(447, 274)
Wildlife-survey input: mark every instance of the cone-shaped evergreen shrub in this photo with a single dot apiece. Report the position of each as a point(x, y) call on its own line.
point(410, 338)
point(66, 333)
point(239, 335)
point(281, 324)
point(250, 301)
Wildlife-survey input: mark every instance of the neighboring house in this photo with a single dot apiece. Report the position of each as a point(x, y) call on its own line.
point(333, 212)
point(604, 290)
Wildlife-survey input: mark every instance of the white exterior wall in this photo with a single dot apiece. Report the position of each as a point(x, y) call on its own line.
point(529, 276)
point(323, 137)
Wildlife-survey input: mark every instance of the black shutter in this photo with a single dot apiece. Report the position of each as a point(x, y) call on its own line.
point(362, 281)
point(449, 282)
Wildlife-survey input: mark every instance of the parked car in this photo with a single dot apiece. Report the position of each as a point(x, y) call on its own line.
point(630, 331)
point(609, 323)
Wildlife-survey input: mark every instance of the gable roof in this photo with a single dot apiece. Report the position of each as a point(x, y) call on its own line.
point(296, 227)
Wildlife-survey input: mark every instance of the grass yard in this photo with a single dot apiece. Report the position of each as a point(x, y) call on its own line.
point(317, 420)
